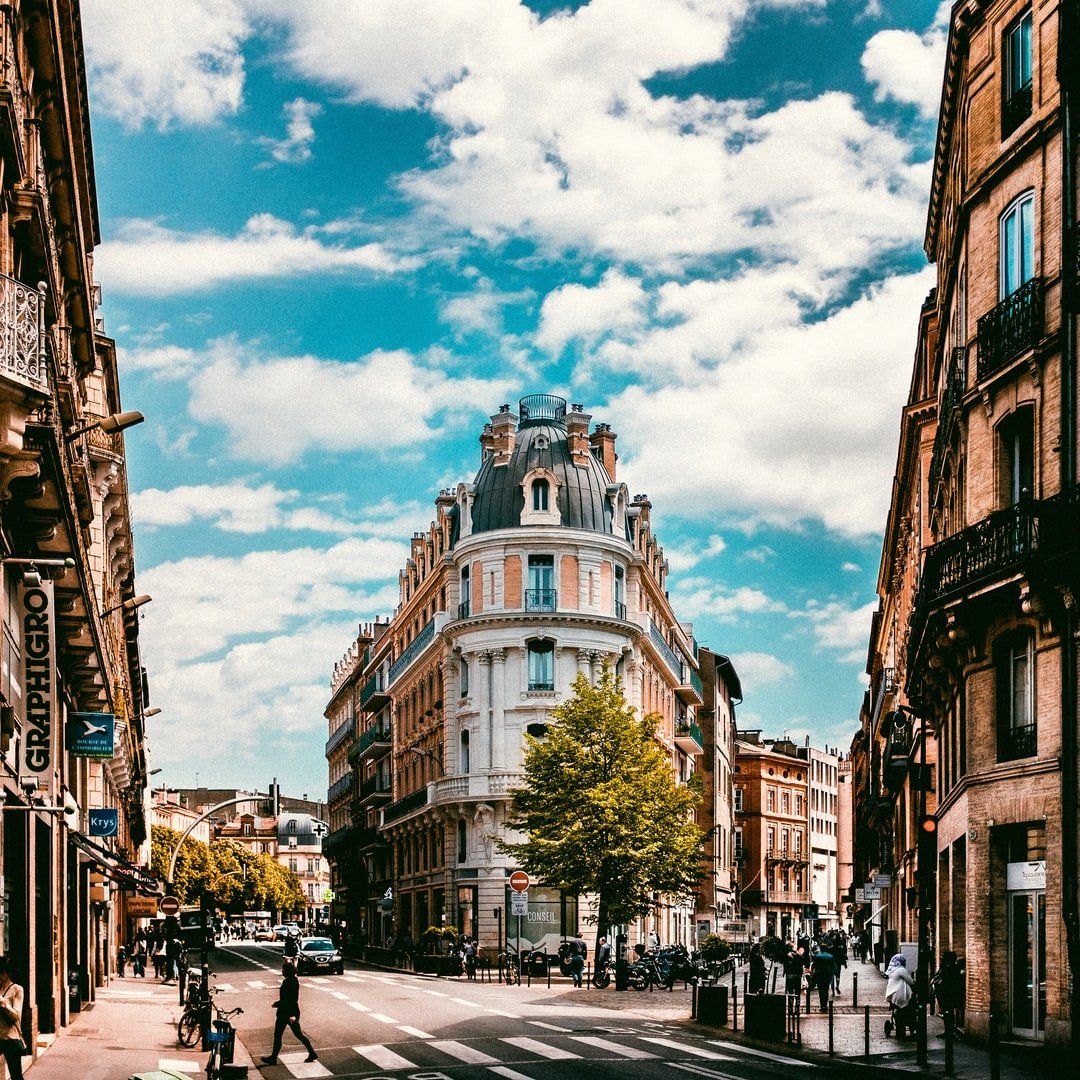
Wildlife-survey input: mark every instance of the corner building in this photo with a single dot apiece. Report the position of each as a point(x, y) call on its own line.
point(540, 569)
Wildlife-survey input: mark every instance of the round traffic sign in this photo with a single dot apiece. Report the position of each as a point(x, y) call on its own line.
point(328, 896)
point(168, 905)
point(519, 881)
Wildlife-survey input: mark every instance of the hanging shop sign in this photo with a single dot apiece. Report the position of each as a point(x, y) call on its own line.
point(37, 754)
point(140, 907)
point(103, 821)
point(90, 734)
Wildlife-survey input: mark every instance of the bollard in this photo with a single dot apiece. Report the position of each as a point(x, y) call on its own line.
point(866, 1031)
point(949, 1065)
point(588, 975)
point(745, 981)
point(548, 972)
point(807, 997)
point(734, 1009)
point(528, 973)
point(798, 1023)
point(995, 1049)
point(733, 978)
point(831, 1051)
point(693, 1002)
point(855, 989)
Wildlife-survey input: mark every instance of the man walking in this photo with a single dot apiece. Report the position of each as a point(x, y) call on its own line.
point(11, 1007)
point(288, 1015)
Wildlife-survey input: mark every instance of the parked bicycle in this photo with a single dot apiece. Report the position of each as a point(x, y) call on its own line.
point(195, 1018)
point(222, 1040)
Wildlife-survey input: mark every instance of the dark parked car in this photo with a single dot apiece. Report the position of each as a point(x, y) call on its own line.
point(319, 954)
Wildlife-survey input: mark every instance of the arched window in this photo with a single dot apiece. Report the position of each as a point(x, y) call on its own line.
point(1014, 673)
point(541, 665)
point(1017, 245)
point(541, 490)
point(464, 756)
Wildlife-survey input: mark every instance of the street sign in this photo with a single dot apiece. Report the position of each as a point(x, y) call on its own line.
point(519, 903)
point(90, 734)
point(141, 907)
point(870, 892)
point(103, 822)
point(168, 905)
point(860, 896)
point(519, 881)
point(883, 881)
point(328, 896)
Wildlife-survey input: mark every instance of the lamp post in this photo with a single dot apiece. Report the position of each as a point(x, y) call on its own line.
point(130, 604)
point(109, 424)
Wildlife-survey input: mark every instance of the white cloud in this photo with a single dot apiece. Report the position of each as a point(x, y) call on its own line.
point(758, 669)
point(851, 568)
point(909, 67)
point(579, 312)
point(145, 258)
point(183, 65)
point(761, 554)
point(295, 147)
point(716, 544)
point(840, 627)
point(797, 421)
point(695, 599)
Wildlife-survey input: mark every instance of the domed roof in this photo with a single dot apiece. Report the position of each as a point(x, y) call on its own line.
point(541, 443)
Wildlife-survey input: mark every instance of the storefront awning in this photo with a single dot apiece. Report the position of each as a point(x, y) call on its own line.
point(116, 867)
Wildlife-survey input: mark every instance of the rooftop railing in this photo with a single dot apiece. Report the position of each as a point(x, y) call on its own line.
point(542, 407)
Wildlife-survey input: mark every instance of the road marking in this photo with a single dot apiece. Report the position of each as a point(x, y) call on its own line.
point(499, 1012)
point(108, 991)
point(359, 1008)
point(256, 984)
point(510, 1074)
point(301, 1069)
point(433, 993)
point(351, 978)
point(700, 1070)
point(466, 1001)
point(180, 1065)
point(339, 995)
point(550, 1027)
point(682, 1048)
point(416, 1033)
point(383, 1018)
point(464, 1053)
point(613, 1048)
point(761, 1054)
point(535, 1046)
point(382, 1057)
point(227, 987)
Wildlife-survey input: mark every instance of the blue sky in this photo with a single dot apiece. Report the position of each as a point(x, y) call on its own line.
point(337, 235)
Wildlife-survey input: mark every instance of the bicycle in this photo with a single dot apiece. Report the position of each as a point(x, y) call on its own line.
point(195, 1018)
point(222, 1039)
point(511, 968)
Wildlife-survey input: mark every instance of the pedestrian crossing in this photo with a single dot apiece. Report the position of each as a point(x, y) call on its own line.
point(518, 1056)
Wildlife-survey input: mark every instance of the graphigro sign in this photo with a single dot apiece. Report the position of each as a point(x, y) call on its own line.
point(37, 753)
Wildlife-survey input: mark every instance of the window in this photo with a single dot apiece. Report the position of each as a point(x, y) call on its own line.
point(785, 802)
point(540, 492)
point(771, 834)
point(799, 806)
point(1018, 456)
point(540, 594)
point(770, 799)
point(1016, 75)
point(464, 678)
point(292, 865)
point(738, 802)
point(620, 593)
point(464, 757)
point(1017, 245)
point(462, 842)
point(737, 842)
point(541, 665)
point(1014, 667)
point(797, 838)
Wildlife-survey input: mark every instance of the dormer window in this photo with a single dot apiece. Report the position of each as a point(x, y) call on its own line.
point(541, 498)
point(541, 490)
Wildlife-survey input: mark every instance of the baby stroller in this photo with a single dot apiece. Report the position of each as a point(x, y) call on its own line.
point(904, 1018)
point(900, 997)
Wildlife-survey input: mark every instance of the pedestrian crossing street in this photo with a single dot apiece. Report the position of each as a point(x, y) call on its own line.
point(512, 1056)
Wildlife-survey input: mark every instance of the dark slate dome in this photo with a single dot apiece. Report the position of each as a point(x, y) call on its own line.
point(541, 443)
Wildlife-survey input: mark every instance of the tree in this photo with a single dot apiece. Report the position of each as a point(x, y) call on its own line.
point(601, 809)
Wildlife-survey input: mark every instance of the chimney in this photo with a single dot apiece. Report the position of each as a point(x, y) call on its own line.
point(602, 441)
point(487, 444)
point(644, 506)
point(504, 430)
point(577, 435)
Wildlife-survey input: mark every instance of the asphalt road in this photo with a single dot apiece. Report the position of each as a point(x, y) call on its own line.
point(369, 1024)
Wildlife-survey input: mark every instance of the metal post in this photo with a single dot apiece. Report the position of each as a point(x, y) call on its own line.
point(745, 982)
point(807, 997)
point(922, 981)
point(995, 1049)
point(547, 965)
point(949, 1066)
point(866, 1031)
point(519, 949)
point(734, 1008)
point(831, 1051)
point(855, 989)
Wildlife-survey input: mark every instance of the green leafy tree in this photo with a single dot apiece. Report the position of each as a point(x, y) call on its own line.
point(601, 809)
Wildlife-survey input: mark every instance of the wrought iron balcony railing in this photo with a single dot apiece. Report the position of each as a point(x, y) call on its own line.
point(686, 731)
point(1015, 325)
point(340, 787)
point(948, 411)
point(373, 688)
point(22, 335)
point(542, 686)
point(415, 648)
point(1015, 110)
point(375, 787)
point(1017, 742)
point(411, 802)
point(540, 600)
point(376, 738)
point(464, 609)
point(671, 658)
point(338, 839)
point(346, 731)
point(620, 610)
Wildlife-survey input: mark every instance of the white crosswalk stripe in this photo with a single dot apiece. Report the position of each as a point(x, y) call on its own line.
point(468, 1054)
point(544, 1050)
point(301, 1069)
point(352, 978)
point(683, 1048)
point(779, 1058)
point(550, 1027)
point(416, 1033)
point(499, 1012)
point(383, 1018)
point(358, 1007)
point(227, 987)
point(510, 1074)
point(256, 984)
point(613, 1047)
point(382, 1057)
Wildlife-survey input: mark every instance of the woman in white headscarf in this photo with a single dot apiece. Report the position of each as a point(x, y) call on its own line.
point(899, 994)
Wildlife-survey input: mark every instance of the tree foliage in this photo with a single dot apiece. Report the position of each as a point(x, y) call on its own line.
point(239, 879)
point(601, 809)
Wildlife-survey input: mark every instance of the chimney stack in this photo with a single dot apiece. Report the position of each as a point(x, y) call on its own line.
point(504, 432)
point(487, 443)
point(602, 441)
point(577, 435)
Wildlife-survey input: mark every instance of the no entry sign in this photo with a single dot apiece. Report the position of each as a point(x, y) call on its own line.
point(519, 881)
point(168, 905)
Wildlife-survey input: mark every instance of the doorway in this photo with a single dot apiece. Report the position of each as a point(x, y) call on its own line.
point(1027, 963)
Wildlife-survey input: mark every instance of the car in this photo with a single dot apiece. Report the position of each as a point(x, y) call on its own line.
point(280, 932)
point(263, 933)
point(318, 954)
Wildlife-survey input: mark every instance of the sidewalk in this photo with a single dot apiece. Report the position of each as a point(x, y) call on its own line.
point(130, 1028)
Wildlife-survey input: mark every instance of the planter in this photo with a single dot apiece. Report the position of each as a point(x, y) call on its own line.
point(712, 1005)
point(766, 1017)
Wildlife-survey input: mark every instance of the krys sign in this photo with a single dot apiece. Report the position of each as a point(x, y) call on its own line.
point(37, 752)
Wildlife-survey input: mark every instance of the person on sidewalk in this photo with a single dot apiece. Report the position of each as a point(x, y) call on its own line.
point(899, 995)
point(757, 970)
point(948, 987)
point(288, 1015)
point(11, 1006)
point(821, 970)
point(793, 973)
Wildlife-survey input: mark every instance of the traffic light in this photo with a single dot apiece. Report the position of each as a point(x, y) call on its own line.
point(927, 859)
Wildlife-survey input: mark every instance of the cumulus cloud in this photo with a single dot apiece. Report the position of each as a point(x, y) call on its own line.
point(572, 312)
point(840, 627)
point(695, 598)
point(908, 67)
point(180, 67)
point(145, 258)
point(295, 147)
point(758, 669)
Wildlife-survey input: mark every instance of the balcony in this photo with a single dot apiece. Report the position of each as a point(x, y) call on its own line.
point(788, 856)
point(660, 644)
point(476, 786)
point(464, 609)
point(689, 690)
point(1017, 742)
point(540, 600)
point(688, 737)
point(542, 407)
point(346, 731)
point(1014, 326)
point(340, 787)
point(373, 694)
point(372, 744)
point(13, 97)
point(415, 648)
point(22, 335)
point(336, 841)
point(375, 789)
point(367, 839)
point(773, 897)
point(949, 410)
point(1015, 110)
point(415, 800)
point(620, 610)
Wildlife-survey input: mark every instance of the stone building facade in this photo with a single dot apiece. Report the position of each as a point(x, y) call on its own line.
point(541, 568)
point(69, 642)
point(976, 632)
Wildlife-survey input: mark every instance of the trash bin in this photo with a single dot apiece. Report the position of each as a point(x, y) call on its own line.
point(765, 1017)
point(712, 1005)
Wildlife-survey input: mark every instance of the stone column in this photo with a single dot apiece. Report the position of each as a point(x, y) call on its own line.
point(482, 749)
point(498, 708)
point(583, 657)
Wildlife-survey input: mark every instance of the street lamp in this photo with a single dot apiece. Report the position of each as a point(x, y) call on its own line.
point(151, 712)
point(430, 756)
point(33, 567)
point(130, 604)
point(109, 424)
